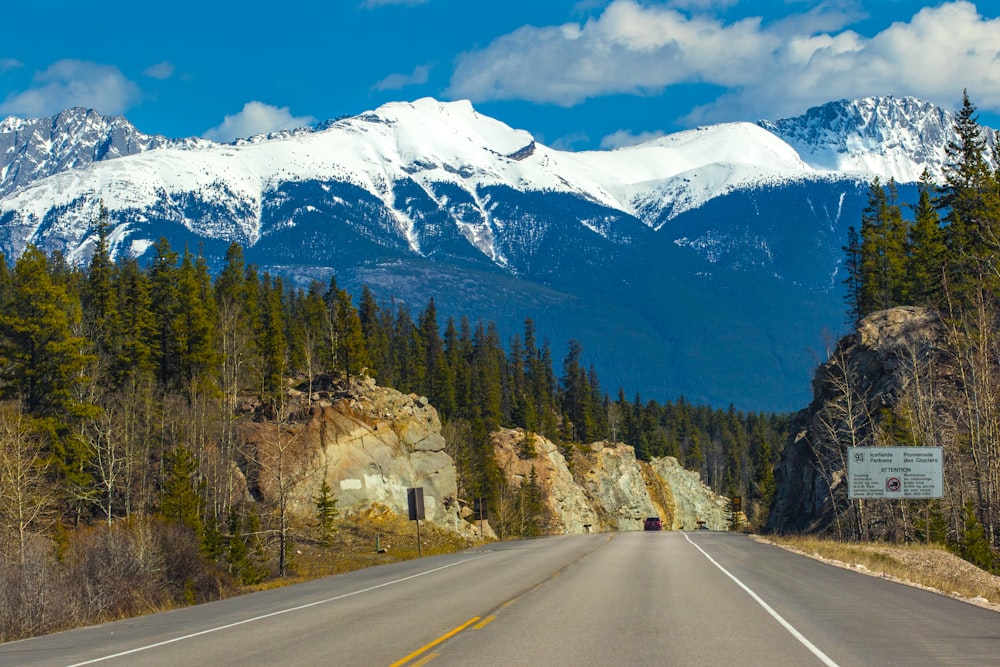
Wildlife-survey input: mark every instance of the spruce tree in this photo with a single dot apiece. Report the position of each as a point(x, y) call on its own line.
point(927, 248)
point(180, 500)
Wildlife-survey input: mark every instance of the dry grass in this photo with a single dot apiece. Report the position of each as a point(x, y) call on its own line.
point(374, 536)
point(926, 566)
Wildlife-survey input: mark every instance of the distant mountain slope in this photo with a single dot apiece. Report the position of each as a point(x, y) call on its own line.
point(888, 137)
point(703, 263)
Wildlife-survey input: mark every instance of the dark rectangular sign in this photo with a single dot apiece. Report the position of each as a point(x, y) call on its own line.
point(415, 499)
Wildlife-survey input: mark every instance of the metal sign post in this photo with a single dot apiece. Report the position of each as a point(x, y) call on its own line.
point(415, 501)
point(479, 505)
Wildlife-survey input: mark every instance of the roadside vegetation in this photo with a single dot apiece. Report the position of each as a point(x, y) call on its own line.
point(925, 565)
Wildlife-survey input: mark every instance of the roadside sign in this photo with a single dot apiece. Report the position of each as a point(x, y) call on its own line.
point(415, 500)
point(894, 472)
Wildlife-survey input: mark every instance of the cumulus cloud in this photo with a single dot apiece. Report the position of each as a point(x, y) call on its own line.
point(7, 64)
point(71, 83)
point(163, 70)
point(623, 138)
point(397, 81)
point(256, 118)
point(764, 70)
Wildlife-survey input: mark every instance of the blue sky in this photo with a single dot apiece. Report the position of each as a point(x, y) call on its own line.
point(578, 74)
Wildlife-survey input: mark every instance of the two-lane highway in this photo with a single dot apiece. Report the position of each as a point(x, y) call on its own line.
point(609, 599)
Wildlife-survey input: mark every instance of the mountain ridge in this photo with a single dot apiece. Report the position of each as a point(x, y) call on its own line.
point(678, 243)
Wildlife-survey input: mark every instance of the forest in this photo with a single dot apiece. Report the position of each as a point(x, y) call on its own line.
point(121, 385)
point(942, 254)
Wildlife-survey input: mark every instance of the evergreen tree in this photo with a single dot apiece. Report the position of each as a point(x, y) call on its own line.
point(180, 500)
point(975, 546)
point(969, 200)
point(853, 281)
point(326, 513)
point(100, 303)
point(883, 251)
point(196, 327)
point(165, 303)
point(927, 248)
point(41, 361)
point(137, 325)
point(272, 341)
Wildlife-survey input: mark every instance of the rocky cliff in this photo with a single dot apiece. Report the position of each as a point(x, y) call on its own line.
point(603, 486)
point(893, 371)
point(371, 444)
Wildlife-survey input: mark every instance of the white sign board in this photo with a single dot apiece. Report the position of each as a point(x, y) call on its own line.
point(894, 472)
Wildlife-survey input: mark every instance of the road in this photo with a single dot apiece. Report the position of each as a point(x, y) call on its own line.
point(667, 598)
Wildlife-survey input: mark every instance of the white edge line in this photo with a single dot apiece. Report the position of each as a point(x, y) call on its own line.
point(824, 658)
point(273, 613)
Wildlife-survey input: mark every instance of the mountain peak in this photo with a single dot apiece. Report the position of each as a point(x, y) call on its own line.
point(892, 137)
point(35, 148)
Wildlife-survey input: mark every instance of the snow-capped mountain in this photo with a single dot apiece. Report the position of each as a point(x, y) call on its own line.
point(885, 136)
point(36, 148)
point(673, 243)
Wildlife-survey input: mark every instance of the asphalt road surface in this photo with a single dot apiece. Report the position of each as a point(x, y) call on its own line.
point(657, 598)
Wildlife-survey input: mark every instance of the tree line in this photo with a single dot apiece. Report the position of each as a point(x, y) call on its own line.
point(121, 385)
point(941, 253)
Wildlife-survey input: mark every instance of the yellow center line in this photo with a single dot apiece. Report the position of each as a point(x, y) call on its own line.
point(434, 643)
point(424, 660)
point(483, 623)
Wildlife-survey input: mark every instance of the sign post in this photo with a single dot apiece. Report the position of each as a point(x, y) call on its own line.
point(415, 502)
point(894, 472)
point(736, 507)
point(479, 506)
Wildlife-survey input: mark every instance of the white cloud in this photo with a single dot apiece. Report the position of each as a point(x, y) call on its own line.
point(570, 142)
point(163, 70)
point(70, 83)
point(256, 118)
point(623, 138)
point(397, 81)
point(368, 4)
point(765, 70)
point(702, 5)
point(7, 64)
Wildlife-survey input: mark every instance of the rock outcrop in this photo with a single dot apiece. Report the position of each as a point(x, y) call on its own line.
point(604, 487)
point(369, 443)
point(862, 383)
point(694, 504)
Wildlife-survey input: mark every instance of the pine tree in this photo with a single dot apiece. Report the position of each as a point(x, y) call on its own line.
point(969, 199)
point(271, 337)
point(326, 513)
point(165, 303)
point(137, 324)
point(883, 251)
point(41, 360)
point(100, 302)
point(975, 545)
point(196, 327)
point(180, 500)
point(927, 248)
point(852, 283)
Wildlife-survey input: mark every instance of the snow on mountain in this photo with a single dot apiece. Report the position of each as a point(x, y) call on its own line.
point(721, 244)
point(33, 149)
point(891, 137)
